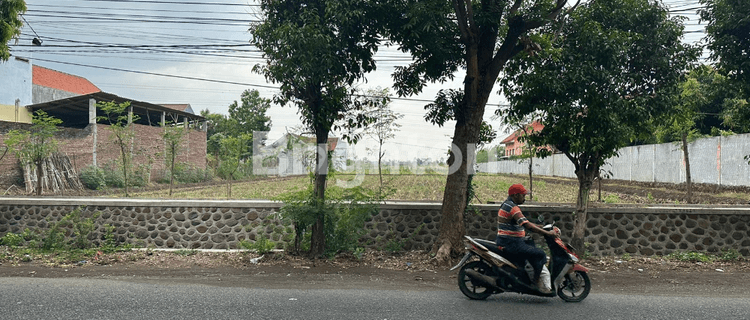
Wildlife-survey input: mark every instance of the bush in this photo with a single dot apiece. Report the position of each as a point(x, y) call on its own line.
point(345, 212)
point(93, 178)
point(185, 173)
point(12, 240)
point(137, 177)
point(261, 245)
point(113, 177)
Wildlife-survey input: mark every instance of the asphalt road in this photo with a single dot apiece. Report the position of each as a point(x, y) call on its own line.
point(72, 298)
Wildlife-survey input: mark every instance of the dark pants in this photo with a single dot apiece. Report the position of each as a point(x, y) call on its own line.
point(517, 250)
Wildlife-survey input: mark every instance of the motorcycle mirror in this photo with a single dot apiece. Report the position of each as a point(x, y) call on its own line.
point(540, 219)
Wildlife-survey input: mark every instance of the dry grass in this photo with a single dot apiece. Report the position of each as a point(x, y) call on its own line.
point(422, 187)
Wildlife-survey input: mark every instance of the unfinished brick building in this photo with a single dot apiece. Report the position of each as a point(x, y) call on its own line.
point(87, 141)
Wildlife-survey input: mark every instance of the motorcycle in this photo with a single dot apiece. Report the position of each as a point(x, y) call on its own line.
point(493, 273)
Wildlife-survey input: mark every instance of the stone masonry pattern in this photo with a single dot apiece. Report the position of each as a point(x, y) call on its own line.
point(411, 226)
point(158, 227)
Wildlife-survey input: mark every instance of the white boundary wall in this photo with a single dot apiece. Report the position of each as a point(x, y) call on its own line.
point(715, 160)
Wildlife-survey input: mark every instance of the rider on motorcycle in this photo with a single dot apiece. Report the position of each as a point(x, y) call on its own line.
point(511, 231)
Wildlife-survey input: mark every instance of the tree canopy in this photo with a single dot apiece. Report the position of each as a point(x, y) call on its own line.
point(615, 65)
point(10, 24)
point(728, 37)
point(245, 118)
point(251, 115)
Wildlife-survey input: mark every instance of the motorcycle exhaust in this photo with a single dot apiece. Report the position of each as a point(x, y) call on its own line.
point(484, 279)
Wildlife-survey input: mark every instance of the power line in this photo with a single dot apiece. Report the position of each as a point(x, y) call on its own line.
point(196, 78)
point(135, 9)
point(158, 74)
point(178, 2)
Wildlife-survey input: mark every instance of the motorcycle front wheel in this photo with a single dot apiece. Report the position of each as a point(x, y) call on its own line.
point(575, 287)
point(472, 288)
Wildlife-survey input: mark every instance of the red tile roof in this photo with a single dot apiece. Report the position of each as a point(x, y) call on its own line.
point(332, 142)
point(62, 81)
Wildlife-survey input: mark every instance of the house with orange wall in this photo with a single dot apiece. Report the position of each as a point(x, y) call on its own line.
point(513, 146)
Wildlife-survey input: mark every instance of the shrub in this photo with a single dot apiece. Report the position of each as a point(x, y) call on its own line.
point(93, 178)
point(344, 211)
point(113, 177)
point(12, 240)
point(261, 245)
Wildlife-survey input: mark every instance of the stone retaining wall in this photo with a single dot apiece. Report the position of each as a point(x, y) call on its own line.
point(197, 224)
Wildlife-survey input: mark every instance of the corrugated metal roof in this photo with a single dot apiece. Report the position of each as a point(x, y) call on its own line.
point(74, 111)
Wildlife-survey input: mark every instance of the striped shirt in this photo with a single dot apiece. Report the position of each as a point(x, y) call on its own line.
point(510, 220)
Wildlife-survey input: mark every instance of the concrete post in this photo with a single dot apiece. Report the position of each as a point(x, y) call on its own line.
point(92, 122)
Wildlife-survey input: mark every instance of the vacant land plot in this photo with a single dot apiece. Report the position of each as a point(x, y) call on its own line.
point(488, 188)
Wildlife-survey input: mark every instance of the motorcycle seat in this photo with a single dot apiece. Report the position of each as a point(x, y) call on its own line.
point(491, 245)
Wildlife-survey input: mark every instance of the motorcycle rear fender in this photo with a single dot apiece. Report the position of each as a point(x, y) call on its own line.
point(463, 261)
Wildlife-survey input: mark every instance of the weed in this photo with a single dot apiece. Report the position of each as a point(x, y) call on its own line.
point(729, 255)
point(626, 257)
point(689, 256)
point(612, 198)
point(359, 252)
point(261, 245)
point(12, 240)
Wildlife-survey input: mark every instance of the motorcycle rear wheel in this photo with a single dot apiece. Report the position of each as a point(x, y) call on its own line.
point(575, 287)
point(471, 288)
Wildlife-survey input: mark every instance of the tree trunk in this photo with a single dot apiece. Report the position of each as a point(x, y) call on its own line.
point(688, 179)
point(477, 88)
point(171, 174)
point(452, 228)
point(531, 177)
point(585, 181)
point(380, 160)
point(599, 183)
point(318, 238)
point(39, 177)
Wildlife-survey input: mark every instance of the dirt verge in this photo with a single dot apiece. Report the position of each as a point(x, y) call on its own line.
point(378, 270)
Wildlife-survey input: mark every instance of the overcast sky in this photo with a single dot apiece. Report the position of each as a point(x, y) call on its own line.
point(198, 52)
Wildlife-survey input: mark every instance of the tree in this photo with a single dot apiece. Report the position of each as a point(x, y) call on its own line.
point(529, 152)
point(728, 37)
point(10, 24)
point(479, 37)
point(384, 123)
point(36, 144)
point(173, 136)
point(248, 117)
point(316, 49)
point(251, 115)
point(614, 65)
point(120, 121)
point(683, 122)
point(231, 152)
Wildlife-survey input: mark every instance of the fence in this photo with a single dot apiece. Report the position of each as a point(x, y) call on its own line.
point(715, 160)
